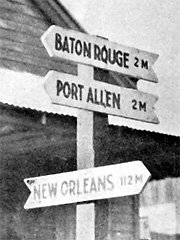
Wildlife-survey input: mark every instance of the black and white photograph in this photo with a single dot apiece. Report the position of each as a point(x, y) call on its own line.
point(89, 120)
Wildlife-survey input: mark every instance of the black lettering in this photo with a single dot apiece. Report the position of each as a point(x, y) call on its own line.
point(112, 56)
point(78, 188)
point(134, 104)
point(44, 190)
point(138, 178)
point(66, 89)
point(136, 62)
point(87, 50)
point(90, 95)
point(104, 54)
point(101, 183)
point(116, 100)
point(52, 189)
point(119, 58)
point(64, 191)
point(72, 44)
point(74, 91)
point(126, 60)
point(78, 47)
point(37, 192)
point(66, 45)
point(139, 105)
point(95, 97)
point(142, 106)
point(72, 185)
point(59, 86)
point(129, 180)
point(101, 99)
point(93, 185)
point(123, 181)
point(144, 64)
point(58, 43)
point(85, 184)
point(97, 52)
point(108, 98)
point(80, 91)
point(109, 180)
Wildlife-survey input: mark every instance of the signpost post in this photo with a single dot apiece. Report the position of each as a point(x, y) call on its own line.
point(85, 213)
point(89, 96)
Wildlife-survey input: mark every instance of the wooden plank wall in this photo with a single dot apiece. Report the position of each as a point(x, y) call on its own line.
point(27, 149)
point(154, 202)
point(124, 218)
point(158, 192)
point(21, 26)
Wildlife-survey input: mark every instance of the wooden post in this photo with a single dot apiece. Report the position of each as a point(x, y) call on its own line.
point(136, 217)
point(85, 213)
point(92, 218)
point(176, 192)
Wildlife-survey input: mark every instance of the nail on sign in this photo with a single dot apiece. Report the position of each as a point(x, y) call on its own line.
point(98, 52)
point(85, 185)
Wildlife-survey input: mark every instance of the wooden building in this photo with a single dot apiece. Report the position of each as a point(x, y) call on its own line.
point(38, 139)
point(159, 204)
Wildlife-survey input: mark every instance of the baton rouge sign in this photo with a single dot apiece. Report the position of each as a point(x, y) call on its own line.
point(88, 184)
point(72, 91)
point(98, 52)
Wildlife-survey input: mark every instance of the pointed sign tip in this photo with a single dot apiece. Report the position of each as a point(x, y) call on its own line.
point(25, 206)
point(44, 41)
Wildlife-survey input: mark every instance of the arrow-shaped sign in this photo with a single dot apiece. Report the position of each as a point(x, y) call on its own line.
point(72, 91)
point(89, 184)
point(98, 52)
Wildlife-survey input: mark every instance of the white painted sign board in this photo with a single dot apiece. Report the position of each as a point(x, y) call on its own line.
point(99, 52)
point(72, 91)
point(88, 184)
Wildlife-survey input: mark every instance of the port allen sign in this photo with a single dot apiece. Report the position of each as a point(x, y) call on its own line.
point(72, 91)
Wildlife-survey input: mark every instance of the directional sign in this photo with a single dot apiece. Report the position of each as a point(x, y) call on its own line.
point(72, 91)
point(98, 52)
point(88, 184)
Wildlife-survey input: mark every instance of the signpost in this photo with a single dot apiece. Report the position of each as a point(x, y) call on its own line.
point(88, 184)
point(98, 52)
point(89, 96)
point(73, 91)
